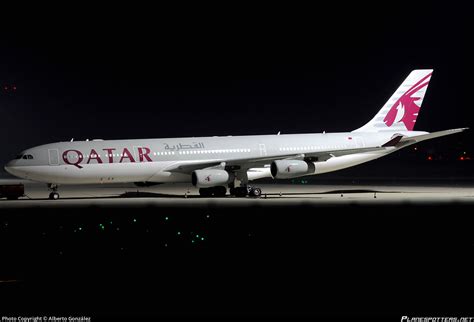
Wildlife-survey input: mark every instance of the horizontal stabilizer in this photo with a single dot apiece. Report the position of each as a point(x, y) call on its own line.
point(423, 137)
point(393, 142)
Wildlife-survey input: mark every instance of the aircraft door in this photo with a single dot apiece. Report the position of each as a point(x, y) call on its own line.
point(263, 150)
point(53, 156)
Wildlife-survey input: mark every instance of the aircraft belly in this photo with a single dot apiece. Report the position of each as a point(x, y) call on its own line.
point(346, 161)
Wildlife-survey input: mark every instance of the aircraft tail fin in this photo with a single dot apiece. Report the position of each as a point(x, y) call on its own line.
point(401, 111)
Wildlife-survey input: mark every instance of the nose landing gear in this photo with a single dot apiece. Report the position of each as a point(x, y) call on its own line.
point(54, 195)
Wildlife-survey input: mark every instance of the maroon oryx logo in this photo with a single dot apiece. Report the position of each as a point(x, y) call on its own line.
point(405, 109)
point(208, 178)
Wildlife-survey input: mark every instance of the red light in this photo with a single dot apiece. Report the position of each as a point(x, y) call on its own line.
point(5, 88)
point(14, 88)
point(430, 158)
point(461, 158)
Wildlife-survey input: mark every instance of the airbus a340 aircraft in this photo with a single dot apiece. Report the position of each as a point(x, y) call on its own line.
point(215, 163)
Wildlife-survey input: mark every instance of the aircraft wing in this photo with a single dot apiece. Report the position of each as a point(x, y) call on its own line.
point(246, 163)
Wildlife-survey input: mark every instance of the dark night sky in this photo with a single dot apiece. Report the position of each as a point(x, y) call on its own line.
point(139, 73)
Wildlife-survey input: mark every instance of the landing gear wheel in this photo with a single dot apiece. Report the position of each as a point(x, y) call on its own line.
point(239, 191)
point(255, 192)
point(54, 196)
point(205, 192)
point(220, 191)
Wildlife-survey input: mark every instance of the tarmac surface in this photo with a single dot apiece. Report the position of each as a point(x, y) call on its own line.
point(184, 195)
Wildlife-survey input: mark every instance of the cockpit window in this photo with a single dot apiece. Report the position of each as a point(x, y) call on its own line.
point(27, 157)
point(18, 156)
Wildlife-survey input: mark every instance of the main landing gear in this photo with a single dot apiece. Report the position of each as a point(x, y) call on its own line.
point(255, 192)
point(54, 195)
point(221, 191)
point(244, 191)
point(238, 188)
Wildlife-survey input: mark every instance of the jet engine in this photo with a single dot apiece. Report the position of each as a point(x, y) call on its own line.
point(211, 178)
point(287, 169)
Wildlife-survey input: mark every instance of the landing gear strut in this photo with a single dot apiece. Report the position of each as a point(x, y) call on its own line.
point(239, 187)
point(54, 195)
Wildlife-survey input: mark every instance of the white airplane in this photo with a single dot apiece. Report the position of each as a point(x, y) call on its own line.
point(215, 163)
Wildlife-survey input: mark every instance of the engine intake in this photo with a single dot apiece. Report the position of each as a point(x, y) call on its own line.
point(287, 169)
point(211, 178)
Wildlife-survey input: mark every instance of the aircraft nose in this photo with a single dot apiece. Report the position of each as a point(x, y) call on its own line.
point(10, 163)
point(10, 167)
point(7, 167)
